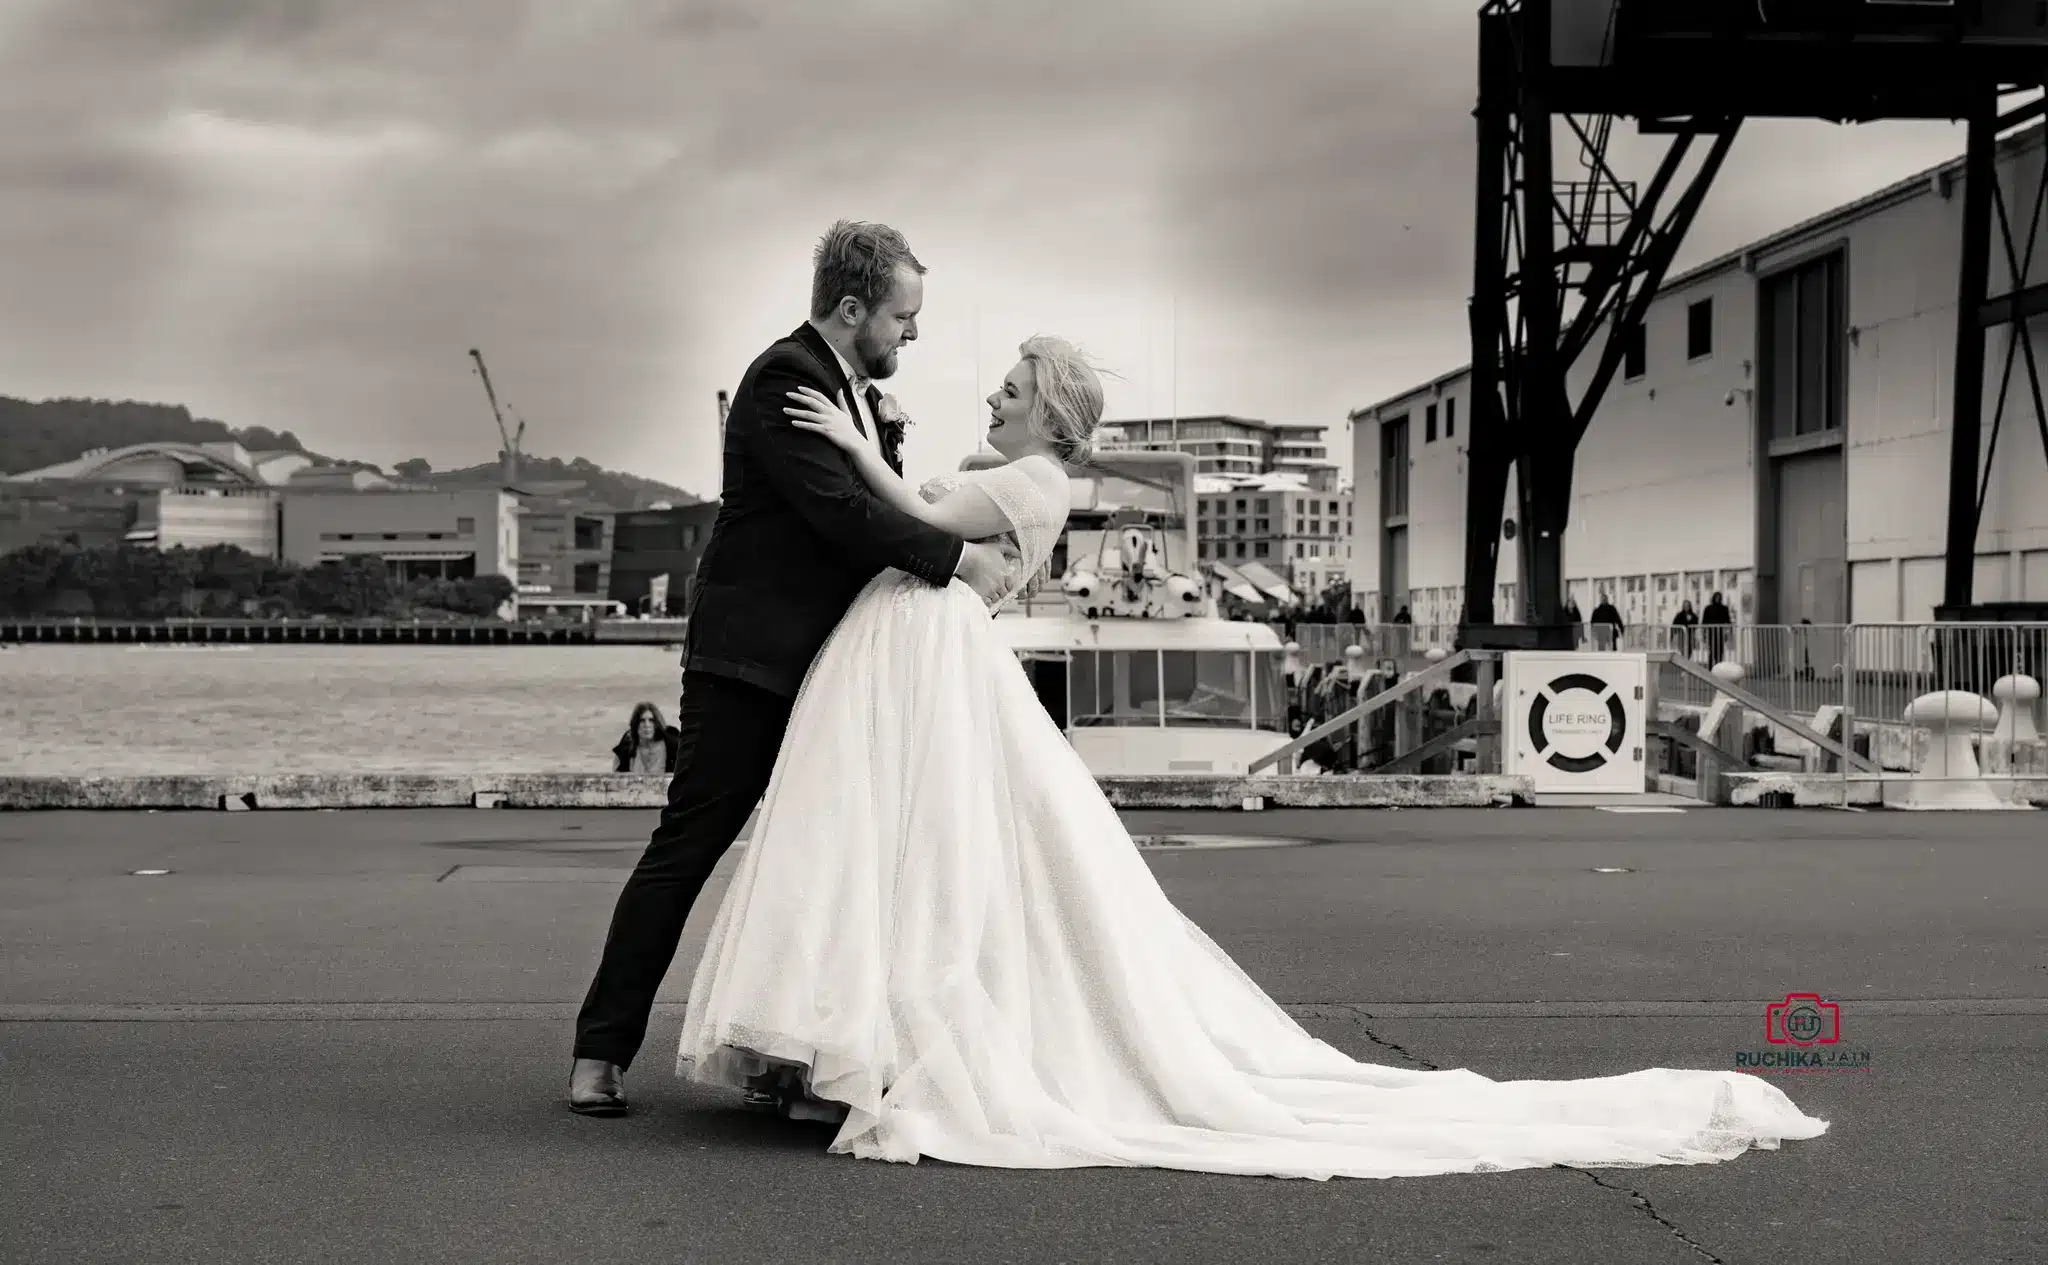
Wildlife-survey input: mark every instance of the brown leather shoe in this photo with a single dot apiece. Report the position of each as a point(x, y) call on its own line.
point(597, 1088)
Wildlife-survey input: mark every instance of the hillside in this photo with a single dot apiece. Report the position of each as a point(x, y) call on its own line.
point(38, 434)
point(34, 435)
point(608, 487)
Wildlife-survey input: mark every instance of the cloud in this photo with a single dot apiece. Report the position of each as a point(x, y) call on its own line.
point(302, 213)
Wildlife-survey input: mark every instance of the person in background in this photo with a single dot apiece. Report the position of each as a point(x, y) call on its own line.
point(1716, 621)
point(649, 745)
point(1605, 616)
point(1682, 625)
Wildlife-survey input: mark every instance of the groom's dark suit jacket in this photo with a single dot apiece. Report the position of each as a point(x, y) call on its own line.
point(798, 532)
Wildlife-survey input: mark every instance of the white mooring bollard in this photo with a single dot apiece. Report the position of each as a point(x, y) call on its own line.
point(2017, 696)
point(2014, 747)
point(1948, 776)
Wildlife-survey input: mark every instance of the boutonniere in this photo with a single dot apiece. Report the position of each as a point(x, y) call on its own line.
point(890, 413)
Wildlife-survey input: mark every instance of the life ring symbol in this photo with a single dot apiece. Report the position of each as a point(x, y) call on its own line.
point(1617, 722)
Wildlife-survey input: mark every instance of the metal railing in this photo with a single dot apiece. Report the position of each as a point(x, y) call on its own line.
point(1842, 696)
point(1325, 644)
point(1482, 727)
point(1907, 687)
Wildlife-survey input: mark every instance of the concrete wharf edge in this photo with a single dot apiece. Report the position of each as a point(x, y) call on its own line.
point(625, 790)
point(234, 793)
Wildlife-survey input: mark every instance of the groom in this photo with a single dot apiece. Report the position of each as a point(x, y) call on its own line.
point(797, 537)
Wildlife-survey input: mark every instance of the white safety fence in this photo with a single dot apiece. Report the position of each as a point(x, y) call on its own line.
point(1955, 706)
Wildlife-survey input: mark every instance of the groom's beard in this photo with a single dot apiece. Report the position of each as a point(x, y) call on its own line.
point(874, 362)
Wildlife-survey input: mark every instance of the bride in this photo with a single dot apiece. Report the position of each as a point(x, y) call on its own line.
point(942, 936)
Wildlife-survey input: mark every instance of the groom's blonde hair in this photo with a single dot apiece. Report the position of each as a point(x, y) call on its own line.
point(1069, 396)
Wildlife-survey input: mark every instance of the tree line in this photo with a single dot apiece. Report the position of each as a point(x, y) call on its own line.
point(222, 581)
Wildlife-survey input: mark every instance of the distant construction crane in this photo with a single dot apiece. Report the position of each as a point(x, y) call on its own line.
point(508, 452)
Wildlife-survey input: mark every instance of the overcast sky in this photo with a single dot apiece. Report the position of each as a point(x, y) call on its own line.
point(303, 213)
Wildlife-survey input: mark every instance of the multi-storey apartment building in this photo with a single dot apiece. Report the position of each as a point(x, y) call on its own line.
point(1229, 446)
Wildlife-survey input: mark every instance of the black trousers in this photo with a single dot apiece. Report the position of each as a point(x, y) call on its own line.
point(730, 734)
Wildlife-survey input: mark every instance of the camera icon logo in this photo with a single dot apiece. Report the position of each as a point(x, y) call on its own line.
point(1803, 1019)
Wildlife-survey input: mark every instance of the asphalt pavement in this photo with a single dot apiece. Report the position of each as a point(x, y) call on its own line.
point(343, 1036)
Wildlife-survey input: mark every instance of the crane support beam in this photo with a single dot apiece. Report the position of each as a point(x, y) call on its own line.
point(1693, 70)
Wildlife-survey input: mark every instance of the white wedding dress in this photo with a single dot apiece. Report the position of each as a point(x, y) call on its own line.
point(943, 925)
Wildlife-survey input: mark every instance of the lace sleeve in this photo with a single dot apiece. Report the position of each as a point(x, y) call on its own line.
point(1035, 502)
point(935, 489)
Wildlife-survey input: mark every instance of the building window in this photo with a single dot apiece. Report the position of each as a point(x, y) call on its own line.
point(1263, 525)
point(1300, 550)
point(1240, 505)
point(1394, 468)
point(1799, 384)
point(587, 577)
point(1634, 354)
point(1259, 550)
point(1429, 425)
point(1262, 505)
point(1240, 522)
point(1699, 329)
point(465, 526)
point(589, 533)
point(1450, 417)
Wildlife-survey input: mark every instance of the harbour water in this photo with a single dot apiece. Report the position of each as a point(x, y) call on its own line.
point(74, 710)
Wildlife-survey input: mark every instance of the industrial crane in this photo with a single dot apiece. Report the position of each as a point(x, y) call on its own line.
point(509, 451)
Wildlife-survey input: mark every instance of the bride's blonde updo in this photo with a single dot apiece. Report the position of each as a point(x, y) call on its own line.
point(1068, 403)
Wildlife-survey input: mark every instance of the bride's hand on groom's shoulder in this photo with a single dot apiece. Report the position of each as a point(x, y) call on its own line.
point(814, 411)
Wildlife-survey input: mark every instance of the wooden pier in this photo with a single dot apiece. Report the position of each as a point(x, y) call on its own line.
point(380, 632)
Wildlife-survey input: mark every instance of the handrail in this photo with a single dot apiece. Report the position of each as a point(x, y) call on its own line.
point(1756, 704)
point(1700, 746)
point(1393, 693)
point(1474, 728)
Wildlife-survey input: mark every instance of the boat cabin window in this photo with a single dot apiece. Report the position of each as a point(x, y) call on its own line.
point(1114, 688)
point(1208, 688)
point(1224, 689)
point(1270, 680)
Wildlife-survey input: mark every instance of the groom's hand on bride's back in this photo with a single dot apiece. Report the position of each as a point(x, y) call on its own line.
point(986, 568)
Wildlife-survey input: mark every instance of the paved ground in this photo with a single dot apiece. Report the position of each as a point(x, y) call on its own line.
point(343, 1036)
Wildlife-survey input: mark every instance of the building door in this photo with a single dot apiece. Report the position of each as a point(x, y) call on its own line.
point(1394, 573)
point(1813, 539)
